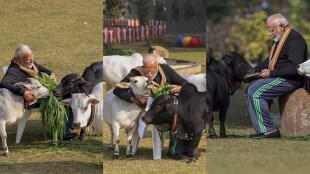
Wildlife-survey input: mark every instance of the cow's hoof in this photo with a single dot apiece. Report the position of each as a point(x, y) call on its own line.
point(176, 156)
point(129, 156)
point(115, 156)
point(197, 155)
point(223, 135)
point(82, 136)
point(5, 154)
point(110, 148)
point(69, 136)
point(191, 160)
point(212, 135)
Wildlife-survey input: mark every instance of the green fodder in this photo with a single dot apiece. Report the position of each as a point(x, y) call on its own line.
point(53, 114)
point(162, 90)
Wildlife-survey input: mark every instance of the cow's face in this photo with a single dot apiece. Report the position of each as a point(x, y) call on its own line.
point(140, 85)
point(160, 111)
point(36, 87)
point(81, 108)
point(238, 64)
point(304, 68)
point(71, 83)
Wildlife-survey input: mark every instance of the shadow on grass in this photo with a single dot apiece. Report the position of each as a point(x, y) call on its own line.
point(51, 167)
point(34, 137)
point(143, 153)
point(230, 136)
point(304, 138)
point(234, 136)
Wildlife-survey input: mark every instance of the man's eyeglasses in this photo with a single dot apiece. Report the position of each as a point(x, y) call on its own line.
point(273, 29)
point(27, 59)
point(150, 70)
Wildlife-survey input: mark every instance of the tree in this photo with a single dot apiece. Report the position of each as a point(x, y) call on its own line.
point(249, 37)
point(142, 9)
point(300, 22)
point(160, 13)
point(189, 11)
point(175, 12)
point(114, 8)
point(215, 12)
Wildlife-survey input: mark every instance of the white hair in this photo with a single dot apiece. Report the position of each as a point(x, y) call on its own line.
point(150, 58)
point(22, 50)
point(278, 19)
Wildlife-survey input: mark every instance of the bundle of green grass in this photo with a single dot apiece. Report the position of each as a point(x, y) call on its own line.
point(165, 89)
point(53, 114)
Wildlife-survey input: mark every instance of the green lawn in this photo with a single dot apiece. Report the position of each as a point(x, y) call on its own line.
point(241, 155)
point(66, 36)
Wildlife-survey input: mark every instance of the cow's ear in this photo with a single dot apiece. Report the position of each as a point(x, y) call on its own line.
point(23, 85)
point(93, 101)
point(66, 102)
point(87, 84)
point(122, 85)
point(83, 82)
point(228, 60)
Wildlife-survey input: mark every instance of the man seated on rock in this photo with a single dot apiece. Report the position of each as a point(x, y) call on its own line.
point(159, 74)
point(278, 74)
point(22, 67)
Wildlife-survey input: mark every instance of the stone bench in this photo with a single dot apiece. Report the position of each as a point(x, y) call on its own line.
point(295, 113)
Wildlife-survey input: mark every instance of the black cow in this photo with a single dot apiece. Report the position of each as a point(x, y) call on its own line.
point(224, 77)
point(184, 114)
point(74, 83)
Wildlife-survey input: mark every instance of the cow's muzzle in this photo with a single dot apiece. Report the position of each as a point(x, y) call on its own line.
point(77, 125)
point(58, 93)
point(146, 120)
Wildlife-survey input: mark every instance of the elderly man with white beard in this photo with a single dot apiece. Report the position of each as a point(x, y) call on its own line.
point(278, 74)
point(22, 67)
point(159, 74)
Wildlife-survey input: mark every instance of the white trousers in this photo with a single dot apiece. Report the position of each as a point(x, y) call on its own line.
point(157, 137)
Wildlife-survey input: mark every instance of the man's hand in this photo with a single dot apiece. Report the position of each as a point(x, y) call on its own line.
point(175, 89)
point(141, 101)
point(53, 76)
point(265, 73)
point(28, 96)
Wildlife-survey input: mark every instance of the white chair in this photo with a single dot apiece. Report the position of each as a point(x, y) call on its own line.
point(5, 69)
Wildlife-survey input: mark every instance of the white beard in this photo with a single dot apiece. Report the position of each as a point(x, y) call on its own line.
point(278, 36)
point(152, 77)
point(28, 66)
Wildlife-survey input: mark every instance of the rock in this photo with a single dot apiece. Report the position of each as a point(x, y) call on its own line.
point(295, 113)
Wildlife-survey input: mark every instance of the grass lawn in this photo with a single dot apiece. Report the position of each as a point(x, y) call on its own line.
point(197, 55)
point(143, 161)
point(241, 155)
point(66, 36)
point(37, 155)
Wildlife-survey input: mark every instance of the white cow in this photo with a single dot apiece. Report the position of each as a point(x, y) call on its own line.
point(304, 68)
point(12, 109)
point(116, 67)
point(199, 80)
point(81, 109)
point(121, 114)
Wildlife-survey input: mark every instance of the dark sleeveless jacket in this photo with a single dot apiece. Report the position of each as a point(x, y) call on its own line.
point(170, 75)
